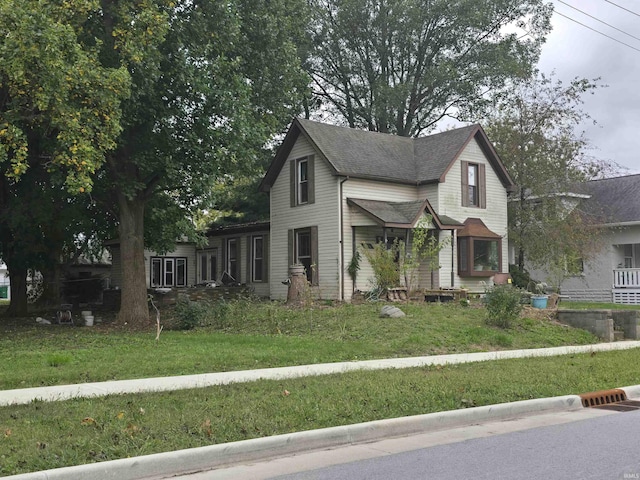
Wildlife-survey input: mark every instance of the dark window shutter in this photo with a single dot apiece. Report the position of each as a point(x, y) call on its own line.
point(314, 255)
point(465, 184)
point(265, 258)
point(290, 249)
point(311, 178)
point(292, 183)
point(482, 186)
point(249, 278)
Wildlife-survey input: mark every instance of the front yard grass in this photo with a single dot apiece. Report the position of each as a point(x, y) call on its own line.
point(41, 435)
point(247, 334)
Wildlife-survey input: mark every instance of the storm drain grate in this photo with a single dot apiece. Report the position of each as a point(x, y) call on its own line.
point(603, 397)
point(627, 406)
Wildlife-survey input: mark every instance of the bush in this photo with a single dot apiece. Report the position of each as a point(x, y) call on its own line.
point(521, 278)
point(190, 315)
point(503, 305)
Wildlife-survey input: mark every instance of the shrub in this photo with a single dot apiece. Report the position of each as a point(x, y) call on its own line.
point(189, 314)
point(503, 305)
point(521, 278)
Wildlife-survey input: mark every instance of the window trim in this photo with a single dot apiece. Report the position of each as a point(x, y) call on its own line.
point(481, 185)
point(163, 261)
point(312, 276)
point(254, 258)
point(228, 260)
point(466, 257)
point(208, 254)
point(296, 181)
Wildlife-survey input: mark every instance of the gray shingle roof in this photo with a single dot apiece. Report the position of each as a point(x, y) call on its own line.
point(364, 154)
point(617, 199)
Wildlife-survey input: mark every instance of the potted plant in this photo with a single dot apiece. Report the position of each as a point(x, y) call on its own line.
point(539, 298)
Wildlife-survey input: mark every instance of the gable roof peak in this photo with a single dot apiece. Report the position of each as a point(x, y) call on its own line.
point(382, 156)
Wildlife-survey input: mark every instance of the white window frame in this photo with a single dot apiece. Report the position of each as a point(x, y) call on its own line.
point(209, 273)
point(473, 172)
point(229, 260)
point(168, 268)
point(302, 184)
point(257, 275)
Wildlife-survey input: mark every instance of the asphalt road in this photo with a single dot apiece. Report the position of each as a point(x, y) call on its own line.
point(586, 445)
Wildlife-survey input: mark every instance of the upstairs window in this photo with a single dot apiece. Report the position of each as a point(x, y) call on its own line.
point(474, 185)
point(302, 181)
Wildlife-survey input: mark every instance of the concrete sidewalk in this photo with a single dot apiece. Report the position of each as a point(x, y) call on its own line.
point(117, 387)
point(181, 462)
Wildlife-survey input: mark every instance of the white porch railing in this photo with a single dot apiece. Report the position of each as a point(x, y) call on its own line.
point(626, 278)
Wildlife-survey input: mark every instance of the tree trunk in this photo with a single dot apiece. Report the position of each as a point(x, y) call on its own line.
point(134, 309)
point(18, 278)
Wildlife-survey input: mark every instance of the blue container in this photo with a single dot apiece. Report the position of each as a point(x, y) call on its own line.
point(539, 301)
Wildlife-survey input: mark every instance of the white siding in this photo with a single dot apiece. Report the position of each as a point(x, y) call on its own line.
point(324, 214)
point(187, 250)
point(430, 192)
point(494, 216)
point(596, 283)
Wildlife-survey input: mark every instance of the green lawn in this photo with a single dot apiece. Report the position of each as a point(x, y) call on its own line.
point(247, 335)
point(49, 435)
point(244, 334)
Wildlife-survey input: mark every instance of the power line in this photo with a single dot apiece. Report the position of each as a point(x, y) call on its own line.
point(623, 8)
point(597, 31)
point(598, 20)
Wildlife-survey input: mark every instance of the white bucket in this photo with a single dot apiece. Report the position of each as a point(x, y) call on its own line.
point(88, 320)
point(85, 313)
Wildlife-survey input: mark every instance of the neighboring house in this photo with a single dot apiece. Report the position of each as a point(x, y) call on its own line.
point(172, 269)
point(614, 275)
point(334, 189)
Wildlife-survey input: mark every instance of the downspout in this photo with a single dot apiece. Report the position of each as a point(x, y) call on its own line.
point(453, 250)
point(341, 238)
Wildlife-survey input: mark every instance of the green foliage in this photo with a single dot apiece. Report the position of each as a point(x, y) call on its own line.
point(58, 359)
point(59, 102)
point(503, 305)
point(520, 277)
point(384, 264)
point(400, 66)
point(354, 266)
point(189, 314)
point(535, 127)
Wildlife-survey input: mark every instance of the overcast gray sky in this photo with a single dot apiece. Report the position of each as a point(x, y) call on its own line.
point(572, 50)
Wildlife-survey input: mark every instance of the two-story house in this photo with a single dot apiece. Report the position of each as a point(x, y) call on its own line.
point(333, 190)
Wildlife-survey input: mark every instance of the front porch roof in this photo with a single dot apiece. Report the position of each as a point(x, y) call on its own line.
point(401, 214)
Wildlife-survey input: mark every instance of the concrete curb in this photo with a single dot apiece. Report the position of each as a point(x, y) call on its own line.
point(191, 460)
point(65, 392)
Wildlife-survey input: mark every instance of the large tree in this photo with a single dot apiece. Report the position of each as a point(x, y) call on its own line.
point(224, 78)
point(59, 115)
point(400, 66)
point(536, 128)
